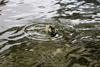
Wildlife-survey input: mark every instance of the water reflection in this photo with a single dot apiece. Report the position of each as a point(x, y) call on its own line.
point(3, 2)
point(92, 1)
point(23, 41)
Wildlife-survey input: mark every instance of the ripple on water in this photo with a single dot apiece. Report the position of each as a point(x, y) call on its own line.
point(31, 32)
point(36, 31)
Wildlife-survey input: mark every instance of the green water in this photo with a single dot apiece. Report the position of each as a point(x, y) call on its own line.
point(24, 43)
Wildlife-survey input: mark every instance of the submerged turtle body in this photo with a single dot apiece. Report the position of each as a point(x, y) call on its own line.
point(51, 30)
point(52, 53)
point(47, 56)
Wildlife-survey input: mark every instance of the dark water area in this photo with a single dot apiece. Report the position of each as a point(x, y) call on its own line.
point(24, 43)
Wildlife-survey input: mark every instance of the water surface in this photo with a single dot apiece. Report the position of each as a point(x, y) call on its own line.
point(24, 43)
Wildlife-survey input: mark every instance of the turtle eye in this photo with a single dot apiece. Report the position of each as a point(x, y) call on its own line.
point(50, 26)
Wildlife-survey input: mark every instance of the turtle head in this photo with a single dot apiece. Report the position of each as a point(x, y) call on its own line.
point(51, 30)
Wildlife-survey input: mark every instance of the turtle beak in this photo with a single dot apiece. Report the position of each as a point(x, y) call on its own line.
point(50, 30)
